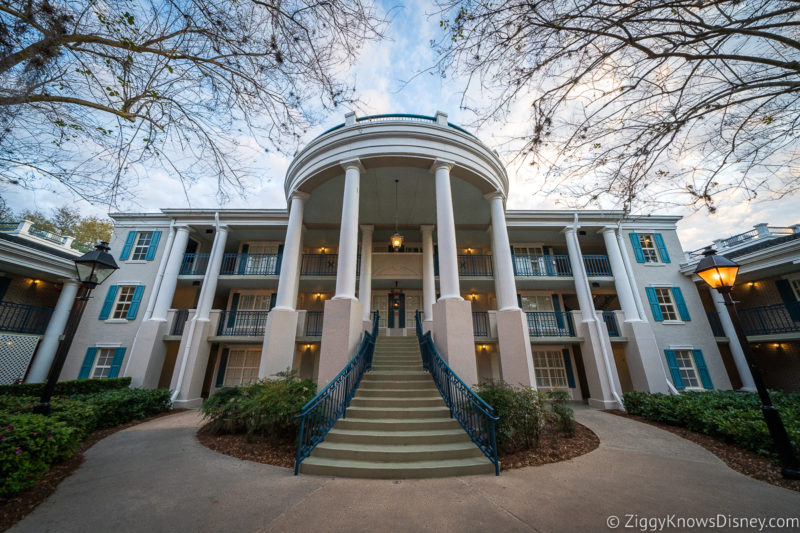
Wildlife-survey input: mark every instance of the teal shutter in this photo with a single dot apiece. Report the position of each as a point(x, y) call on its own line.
point(557, 310)
point(223, 363)
point(672, 363)
point(116, 363)
point(519, 301)
point(138, 292)
point(243, 259)
point(88, 361)
point(702, 369)
point(662, 249)
point(681, 304)
point(232, 311)
point(787, 295)
point(105, 312)
point(126, 250)
point(568, 368)
point(513, 261)
point(637, 247)
point(273, 299)
point(654, 307)
point(151, 250)
point(278, 260)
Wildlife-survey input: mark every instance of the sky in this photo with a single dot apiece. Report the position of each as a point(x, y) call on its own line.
point(391, 77)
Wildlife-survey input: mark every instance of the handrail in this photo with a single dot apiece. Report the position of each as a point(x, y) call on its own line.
point(472, 412)
point(319, 415)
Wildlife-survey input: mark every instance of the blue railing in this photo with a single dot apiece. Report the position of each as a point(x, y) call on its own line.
point(475, 415)
point(541, 265)
point(320, 414)
point(475, 265)
point(480, 323)
point(242, 323)
point(597, 265)
point(318, 265)
point(314, 323)
point(194, 264)
point(21, 318)
point(716, 325)
point(550, 324)
point(610, 318)
point(250, 264)
point(180, 321)
point(778, 318)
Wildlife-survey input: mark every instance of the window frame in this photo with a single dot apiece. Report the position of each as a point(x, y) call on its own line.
point(139, 248)
point(794, 284)
point(117, 302)
point(247, 351)
point(559, 357)
point(101, 351)
point(673, 306)
point(689, 354)
point(651, 248)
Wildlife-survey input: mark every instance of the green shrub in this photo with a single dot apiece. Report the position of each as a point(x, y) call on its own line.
point(266, 408)
point(74, 413)
point(116, 407)
point(564, 414)
point(731, 416)
point(29, 444)
point(521, 413)
point(66, 388)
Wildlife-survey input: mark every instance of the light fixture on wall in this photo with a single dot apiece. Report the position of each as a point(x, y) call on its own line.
point(396, 296)
point(397, 239)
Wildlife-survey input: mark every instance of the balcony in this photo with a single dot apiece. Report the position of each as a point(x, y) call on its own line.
point(318, 265)
point(242, 323)
point(313, 323)
point(475, 265)
point(611, 323)
point(250, 265)
point(559, 265)
point(716, 325)
point(20, 318)
point(597, 265)
point(180, 322)
point(480, 323)
point(550, 324)
point(194, 264)
point(771, 319)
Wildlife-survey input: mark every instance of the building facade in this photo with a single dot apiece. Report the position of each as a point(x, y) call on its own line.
point(581, 300)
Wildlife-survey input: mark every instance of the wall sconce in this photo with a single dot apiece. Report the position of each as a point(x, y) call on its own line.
point(322, 250)
point(473, 296)
point(469, 251)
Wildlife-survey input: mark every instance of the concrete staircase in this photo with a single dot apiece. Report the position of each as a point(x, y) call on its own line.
point(397, 425)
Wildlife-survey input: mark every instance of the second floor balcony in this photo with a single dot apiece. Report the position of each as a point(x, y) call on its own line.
point(777, 319)
point(242, 323)
point(550, 324)
point(596, 265)
point(21, 318)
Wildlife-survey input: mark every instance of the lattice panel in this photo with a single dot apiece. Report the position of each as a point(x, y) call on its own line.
point(16, 352)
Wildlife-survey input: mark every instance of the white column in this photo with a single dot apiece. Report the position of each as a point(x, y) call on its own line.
point(348, 234)
point(582, 289)
point(428, 271)
point(733, 342)
point(621, 281)
point(505, 285)
point(151, 302)
point(166, 291)
point(365, 278)
point(292, 248)
point(212, 274)
point(55, 328)
point(446, 234)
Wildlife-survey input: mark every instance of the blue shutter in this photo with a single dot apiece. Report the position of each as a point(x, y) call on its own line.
point(126, 250)
point(232, 312)
point(88, 361)
point(279, 260)
point(519, 301)
point(436, 260)
point(138, 292)
point(681, 304)
point(557, 310)
point(105, 312)
point(151, 250)
point(637, 247)
point(672, 363)
point(662, 249)
point(273, 299)
point(703, 369)
point(513, 260)
point(223, 363)
point(787, 295)
point(548, 260)
point(568, 368)
point(243, 259)
point(116, 363)
point(654, 307)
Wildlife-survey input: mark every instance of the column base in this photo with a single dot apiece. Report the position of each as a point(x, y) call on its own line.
point(341, 334)
point(196, 350)
point(147, 354)
point(277, 353)
point(454, 337)
point(196, 403)
point(603, 404)
point(516, 359)
point(427, 325)
point(601, 390)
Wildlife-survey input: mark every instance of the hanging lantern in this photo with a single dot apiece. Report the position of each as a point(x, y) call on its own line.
point(397, 239)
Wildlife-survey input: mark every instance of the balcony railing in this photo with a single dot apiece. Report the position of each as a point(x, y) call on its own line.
point(474, 265)
point(778, 318)
point(480, 323)
point(250, 264)
point(20, 318)
point(313, 323)
point(597, 265)
point(716, 325)
point(550, 324)
point(610, 318)
point(194, 264)
point(541, 265)
point(318, 265)
point(242, 323)
point(180, 322)
point(47, 235)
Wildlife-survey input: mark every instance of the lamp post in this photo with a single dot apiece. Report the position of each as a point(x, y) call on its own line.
point(720, 273)
point(93, 268)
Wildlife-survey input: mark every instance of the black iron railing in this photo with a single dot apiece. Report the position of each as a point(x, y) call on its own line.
point(716, 325)
point(21, 318)
point(314, 323)
point(475, 415)
point(194, 264)
point(318, 264)
point(250, 264)
point(542, 265)
point(597, 265)
point(610, 318)
point(475, 265)
point(179, 322)
point(242, 323)
point(550, 324)
point(320, 414)
point(778, 318)
point(480, 323)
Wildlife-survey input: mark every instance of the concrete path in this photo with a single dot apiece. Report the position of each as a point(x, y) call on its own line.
point(156, 477)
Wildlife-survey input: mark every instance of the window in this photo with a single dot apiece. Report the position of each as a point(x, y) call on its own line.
point(649, 248)
point(536, 302)
point(549, 368)
point(647, 242)
point(242, 366)
point(123, 303)
point(141, 245)
point(795, 284)
point(688, 369)
point(102, 364)
point(665, 303)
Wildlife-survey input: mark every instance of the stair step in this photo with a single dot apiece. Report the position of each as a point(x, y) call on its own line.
point(367, 384)
point(396, 375)
point(398, 412)
point(407, 437)
point(394, 424)
point(421, 390)
point(396, 453)
point(431, 400)
point(410, 470)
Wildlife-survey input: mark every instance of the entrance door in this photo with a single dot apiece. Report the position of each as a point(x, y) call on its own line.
point(397, 310)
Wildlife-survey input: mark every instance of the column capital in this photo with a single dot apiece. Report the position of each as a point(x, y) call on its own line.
point(570, 229)
point(182, 227)
point(427, 228)
point(223, 227)
point(495, 194)
point(352, 163)
point(441, 163)
point(367, 228)
point(607, 229)
point(300, 195)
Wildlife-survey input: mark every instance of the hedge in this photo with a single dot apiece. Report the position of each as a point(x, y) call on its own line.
point(734, 417)
point(67, 388)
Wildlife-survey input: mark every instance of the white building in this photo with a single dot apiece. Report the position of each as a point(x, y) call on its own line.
point(582, 300)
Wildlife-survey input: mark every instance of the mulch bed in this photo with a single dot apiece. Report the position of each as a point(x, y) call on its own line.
point(743, 461)
point(17, 507)
point(264, 450)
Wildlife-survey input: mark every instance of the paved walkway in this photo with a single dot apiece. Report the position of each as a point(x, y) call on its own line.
point(156, 477)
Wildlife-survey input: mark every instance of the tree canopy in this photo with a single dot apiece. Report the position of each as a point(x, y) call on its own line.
point(638, 101)
point(91, 90)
